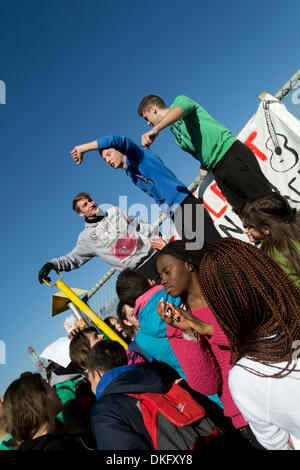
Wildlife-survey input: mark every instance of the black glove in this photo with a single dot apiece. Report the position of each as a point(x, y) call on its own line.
point(44, 271)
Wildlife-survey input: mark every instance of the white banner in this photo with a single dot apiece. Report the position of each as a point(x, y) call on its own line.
point(273, 134)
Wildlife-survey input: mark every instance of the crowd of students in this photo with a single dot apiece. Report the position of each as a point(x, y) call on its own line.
point(212, 328)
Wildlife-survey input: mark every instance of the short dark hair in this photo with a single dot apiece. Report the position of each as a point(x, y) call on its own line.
point(150, 100)
point(80, 347)
point(106, 355)
point(79, 197)
point(130, 285)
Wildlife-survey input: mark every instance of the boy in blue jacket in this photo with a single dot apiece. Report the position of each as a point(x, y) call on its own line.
point(148, 172)
point(137, 409)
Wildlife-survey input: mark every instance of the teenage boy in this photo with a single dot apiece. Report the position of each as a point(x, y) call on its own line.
point(148, 172)
point(112, 236)
point(233, 164)
point(136, 409)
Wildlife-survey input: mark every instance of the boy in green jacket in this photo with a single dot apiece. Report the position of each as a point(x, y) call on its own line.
point(233, 164)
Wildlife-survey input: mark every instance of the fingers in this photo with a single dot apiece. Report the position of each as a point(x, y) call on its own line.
point(166, 312)
point(74, 332)
point(145, 141)
point(76, 155)
point(158, 244)
point(148, 139)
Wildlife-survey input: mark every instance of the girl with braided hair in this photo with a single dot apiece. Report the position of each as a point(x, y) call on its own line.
point(272, 222)
point(257, 306)
point(204, 358)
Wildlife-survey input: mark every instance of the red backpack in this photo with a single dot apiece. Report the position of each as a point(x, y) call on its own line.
point(175, 420)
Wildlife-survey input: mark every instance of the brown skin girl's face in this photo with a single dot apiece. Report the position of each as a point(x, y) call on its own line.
point(174, 273)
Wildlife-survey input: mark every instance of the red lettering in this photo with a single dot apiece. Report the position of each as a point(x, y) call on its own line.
point(253, 147)
point(217, 192)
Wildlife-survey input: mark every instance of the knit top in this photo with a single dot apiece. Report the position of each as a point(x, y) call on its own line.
point(206, 363)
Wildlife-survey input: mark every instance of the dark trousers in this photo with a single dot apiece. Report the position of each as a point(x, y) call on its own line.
point(148, 269)
point(239, 176)
point(193, 224)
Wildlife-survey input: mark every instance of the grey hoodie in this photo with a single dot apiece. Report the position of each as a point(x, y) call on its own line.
point(117, 238)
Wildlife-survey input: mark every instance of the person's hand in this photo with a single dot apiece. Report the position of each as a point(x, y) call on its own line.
point(172, 316)
point(77, 154)
point(158, 243)
point(201, 327)
point(44, 271)
point(75, 331)
point(187, 321)
point(149, 138)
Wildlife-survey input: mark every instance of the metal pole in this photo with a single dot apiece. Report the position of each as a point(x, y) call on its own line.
point(99, 284)
point(75, 310)
point(288, 86)
point(87, 311)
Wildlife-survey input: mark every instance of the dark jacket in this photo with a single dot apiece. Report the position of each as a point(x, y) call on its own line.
point(116, 419)
point(60, 441)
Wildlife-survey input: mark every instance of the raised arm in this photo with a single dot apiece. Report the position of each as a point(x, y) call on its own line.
point(172, 116)
point(78, 151)
point(121, 143)
point(73, 260)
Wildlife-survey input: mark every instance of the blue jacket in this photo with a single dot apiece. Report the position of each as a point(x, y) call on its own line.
point(116, 421)
point(152, 336)
point(148, 172)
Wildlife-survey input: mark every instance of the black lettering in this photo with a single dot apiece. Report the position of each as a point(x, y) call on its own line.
point(233, 229)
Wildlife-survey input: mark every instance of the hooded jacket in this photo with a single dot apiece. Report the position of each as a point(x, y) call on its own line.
point(148, 172)
point(116, 238)
point(116, 420)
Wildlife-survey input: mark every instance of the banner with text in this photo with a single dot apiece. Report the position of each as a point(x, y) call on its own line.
point(273, 134)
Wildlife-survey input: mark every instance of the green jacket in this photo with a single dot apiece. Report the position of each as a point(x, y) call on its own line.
point(6, 443)
point(199, 134)
point(285, 264)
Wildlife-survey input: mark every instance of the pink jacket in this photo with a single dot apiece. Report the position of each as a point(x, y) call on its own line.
point(206, 363)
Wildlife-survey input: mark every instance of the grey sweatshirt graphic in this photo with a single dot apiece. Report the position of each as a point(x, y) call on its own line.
point(118, 239)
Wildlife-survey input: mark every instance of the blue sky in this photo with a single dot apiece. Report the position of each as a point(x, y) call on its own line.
point(75, 70)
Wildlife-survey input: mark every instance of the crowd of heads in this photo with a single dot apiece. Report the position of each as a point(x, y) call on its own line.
point(253, 300)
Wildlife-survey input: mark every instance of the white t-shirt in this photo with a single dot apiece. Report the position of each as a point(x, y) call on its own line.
point(270, 405)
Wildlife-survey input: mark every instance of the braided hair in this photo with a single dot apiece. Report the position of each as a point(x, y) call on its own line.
point(252, 298)
point(254, 301)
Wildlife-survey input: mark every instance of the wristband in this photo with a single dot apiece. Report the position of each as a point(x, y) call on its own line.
point(190, 338)
point(155, 128)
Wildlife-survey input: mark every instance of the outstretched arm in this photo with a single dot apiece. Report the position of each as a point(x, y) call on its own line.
point(172, 116)
point(78, 151)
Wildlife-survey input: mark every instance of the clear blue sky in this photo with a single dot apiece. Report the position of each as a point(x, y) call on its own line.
point(75, 70)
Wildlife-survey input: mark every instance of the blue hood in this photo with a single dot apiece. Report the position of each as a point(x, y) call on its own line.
point(130, 379)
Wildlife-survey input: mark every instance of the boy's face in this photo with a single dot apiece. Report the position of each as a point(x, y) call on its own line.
point(152, 116)
point(114, 158)
point(87, 208)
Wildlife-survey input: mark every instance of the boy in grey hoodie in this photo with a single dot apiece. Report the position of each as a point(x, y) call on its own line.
point(115, 237)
